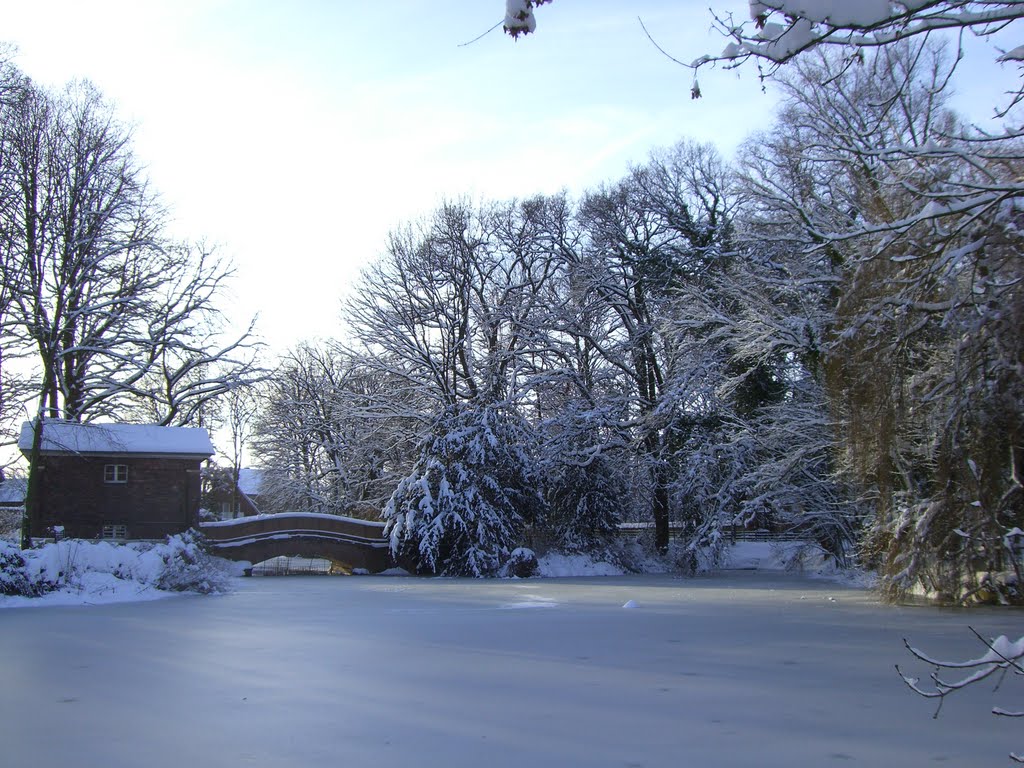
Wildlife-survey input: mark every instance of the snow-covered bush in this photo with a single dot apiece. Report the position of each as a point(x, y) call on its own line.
point(14, 579)
point(179, 564)
point(461, 510)
point(188, 567)
point(522, 563)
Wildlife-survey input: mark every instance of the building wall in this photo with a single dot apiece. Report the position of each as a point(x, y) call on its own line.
point(223, 505)
point(159, 498)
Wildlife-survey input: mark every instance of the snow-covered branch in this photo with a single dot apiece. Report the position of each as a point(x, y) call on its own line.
point(1002, 657)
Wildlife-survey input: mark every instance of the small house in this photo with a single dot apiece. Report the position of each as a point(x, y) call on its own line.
point(116, 481)
point(224, 500)
point(251, 488)
point(12, 506)
point(12, 493)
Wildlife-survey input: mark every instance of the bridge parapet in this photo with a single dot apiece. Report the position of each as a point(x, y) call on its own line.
point(286, 521)
point(356, 543)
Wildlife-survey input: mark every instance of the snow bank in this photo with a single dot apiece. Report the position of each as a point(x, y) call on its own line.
point(76, 572)
point(555, 564)
point(793, 556)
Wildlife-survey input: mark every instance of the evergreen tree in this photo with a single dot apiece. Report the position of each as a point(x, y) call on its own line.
point(462, 509)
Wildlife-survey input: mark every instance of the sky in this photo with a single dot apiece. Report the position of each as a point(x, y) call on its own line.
point(295, 135)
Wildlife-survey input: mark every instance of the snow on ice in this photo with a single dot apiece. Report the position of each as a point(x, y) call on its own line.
point(79, 572)
point(724, 670)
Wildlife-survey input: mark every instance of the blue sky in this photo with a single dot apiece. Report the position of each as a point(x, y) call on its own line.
point(296, 134)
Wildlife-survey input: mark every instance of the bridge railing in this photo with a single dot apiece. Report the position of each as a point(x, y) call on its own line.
point(227, 532)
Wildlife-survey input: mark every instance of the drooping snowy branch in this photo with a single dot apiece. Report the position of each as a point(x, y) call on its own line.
point(1002, 657)
point(779, 31)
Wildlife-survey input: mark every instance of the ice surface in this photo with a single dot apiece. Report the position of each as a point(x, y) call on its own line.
point(742, 669)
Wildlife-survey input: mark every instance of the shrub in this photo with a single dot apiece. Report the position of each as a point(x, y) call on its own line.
point(188, 567)
point(14, 578)
point(522, 563)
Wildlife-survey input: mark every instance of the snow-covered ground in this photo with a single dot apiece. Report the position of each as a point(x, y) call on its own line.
point(742, 668)
point(92, 573)
point(77, 572)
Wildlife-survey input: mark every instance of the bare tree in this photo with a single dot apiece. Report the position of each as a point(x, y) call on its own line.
point(14, 88)
point(119, 320)
point(240, 408)
point(904, 225)
point(107, 302)
point(332, 434)
point(449, 307)
point(658, 228)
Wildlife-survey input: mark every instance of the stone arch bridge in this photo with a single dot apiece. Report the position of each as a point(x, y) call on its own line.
point(353, 544)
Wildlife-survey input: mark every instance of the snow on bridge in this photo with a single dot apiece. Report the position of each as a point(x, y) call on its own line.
point(358, 544)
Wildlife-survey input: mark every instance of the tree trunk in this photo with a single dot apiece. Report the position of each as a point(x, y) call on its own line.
point(34, 478)
point(660, 509)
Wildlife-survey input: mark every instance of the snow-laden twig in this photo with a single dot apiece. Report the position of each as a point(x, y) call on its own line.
point(1002, 657)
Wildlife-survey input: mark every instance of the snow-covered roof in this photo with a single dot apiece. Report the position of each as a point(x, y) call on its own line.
point(12, 491)
point(106, 439)
point(249, 481)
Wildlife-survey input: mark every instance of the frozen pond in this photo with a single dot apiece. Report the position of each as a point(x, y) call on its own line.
point(742, 669)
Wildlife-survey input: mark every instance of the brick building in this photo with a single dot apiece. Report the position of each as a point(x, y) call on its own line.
point(117, 481)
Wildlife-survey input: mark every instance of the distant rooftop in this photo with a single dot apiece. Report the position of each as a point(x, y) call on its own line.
point(12, 491)
point(250, 481)
point(106, 439)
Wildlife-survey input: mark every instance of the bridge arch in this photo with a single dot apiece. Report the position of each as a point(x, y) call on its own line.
point(357, 544)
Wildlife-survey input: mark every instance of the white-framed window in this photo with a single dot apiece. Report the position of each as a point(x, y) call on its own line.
point(115, 531)
point(115, 473)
